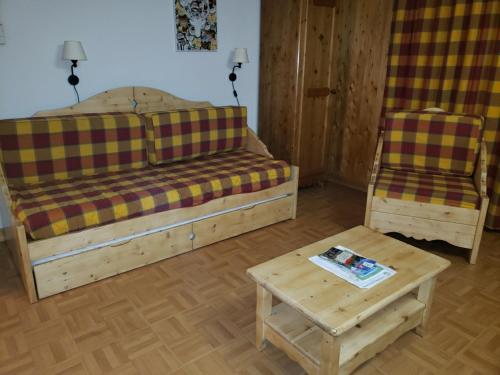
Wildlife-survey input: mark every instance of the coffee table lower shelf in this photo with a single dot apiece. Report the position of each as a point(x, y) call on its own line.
point(300, 338)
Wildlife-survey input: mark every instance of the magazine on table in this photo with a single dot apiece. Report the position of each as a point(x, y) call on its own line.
point(352, 267)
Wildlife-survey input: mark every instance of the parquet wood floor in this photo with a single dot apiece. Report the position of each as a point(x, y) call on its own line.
point(194, 314)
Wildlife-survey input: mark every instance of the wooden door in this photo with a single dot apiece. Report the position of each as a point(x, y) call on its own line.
point(316, 93)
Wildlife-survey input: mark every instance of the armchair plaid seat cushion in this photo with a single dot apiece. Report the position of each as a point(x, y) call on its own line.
point(40, 149)
point(457, 191)
point(430, 142)
point(187, 134)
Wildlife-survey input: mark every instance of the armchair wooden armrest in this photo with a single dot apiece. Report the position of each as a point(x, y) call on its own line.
point(481, 172)
point(377, 160)
point(373, 179)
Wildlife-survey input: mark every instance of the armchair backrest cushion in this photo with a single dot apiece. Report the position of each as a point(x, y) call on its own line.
point(430, 142)
point(43, 149)
point(186, 134)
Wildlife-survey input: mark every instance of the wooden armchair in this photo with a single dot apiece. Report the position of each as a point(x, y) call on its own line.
point(427, 180)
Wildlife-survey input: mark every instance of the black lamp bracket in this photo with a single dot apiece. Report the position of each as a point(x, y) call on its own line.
point(232, 76)
point(73, 79)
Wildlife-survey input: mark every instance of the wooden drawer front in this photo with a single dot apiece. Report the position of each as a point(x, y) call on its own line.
point(228, 225)
point(71, 272)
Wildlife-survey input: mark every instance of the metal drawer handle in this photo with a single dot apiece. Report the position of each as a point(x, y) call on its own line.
point(192, 236)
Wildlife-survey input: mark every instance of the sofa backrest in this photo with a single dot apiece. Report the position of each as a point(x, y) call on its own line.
point(430, 142)
point(186, 134)
point(42, 149)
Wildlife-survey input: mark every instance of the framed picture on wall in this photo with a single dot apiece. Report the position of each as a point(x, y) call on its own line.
point(196, 25)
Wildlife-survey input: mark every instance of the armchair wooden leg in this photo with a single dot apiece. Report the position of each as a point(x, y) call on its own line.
point(479, 231)
point(475, 249)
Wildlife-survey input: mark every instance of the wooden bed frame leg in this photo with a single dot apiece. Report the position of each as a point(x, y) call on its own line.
point(18, 246)
point(264, 309)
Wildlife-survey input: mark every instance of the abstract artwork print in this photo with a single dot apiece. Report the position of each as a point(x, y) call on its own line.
point(196, 25)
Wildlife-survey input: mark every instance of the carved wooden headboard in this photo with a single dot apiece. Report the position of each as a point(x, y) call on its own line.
point(127, 99)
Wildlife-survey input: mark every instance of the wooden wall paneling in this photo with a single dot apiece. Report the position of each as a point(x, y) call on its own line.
point(317, 104)
point(362, 33)
point(342, 31)
point(278, 75)
point(323, 66)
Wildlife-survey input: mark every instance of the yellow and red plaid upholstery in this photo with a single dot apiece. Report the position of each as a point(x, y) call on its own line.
point(454, 191)
point(42, 149)
point(421, 141)
point(446, 54)
point(186, 134)
point(54, 208)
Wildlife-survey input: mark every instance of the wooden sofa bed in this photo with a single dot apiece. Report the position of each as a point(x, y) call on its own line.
point(52, 265)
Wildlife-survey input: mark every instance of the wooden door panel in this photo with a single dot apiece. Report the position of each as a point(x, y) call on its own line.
point(279, 41)
point(316, 102)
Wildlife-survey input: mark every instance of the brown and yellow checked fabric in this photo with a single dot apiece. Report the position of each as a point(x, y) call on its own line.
point(55, 208)
point(446, 54)
point(441, 143)
point(186, 134)
point(454, 191)
point(40, 149)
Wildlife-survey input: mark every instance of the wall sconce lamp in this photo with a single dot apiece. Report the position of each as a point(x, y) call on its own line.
point(73, 51)
point(240, 56)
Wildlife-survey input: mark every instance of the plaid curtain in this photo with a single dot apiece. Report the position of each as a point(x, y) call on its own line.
point(445, 53)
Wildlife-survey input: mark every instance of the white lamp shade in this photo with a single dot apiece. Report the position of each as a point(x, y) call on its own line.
point(240, 55)
point(73, 50)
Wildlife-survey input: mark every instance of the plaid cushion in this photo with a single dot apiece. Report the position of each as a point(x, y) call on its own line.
point(422, 141)
point(55, 208)
point(186, 134)
point(436, 189)
point(42, 149)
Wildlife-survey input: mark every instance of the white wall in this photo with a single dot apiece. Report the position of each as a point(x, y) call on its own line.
point(128, 42)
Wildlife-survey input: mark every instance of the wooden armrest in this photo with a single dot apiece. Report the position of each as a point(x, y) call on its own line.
point(481, 175)
point(255, 145)
point(376, 162)
point(4, 188)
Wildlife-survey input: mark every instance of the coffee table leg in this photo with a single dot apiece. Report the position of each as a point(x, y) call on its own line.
point(425, 295)
point(264, 309)
point(330, 355)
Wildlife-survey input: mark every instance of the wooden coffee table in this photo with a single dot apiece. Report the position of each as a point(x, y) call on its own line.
point(330, 326)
